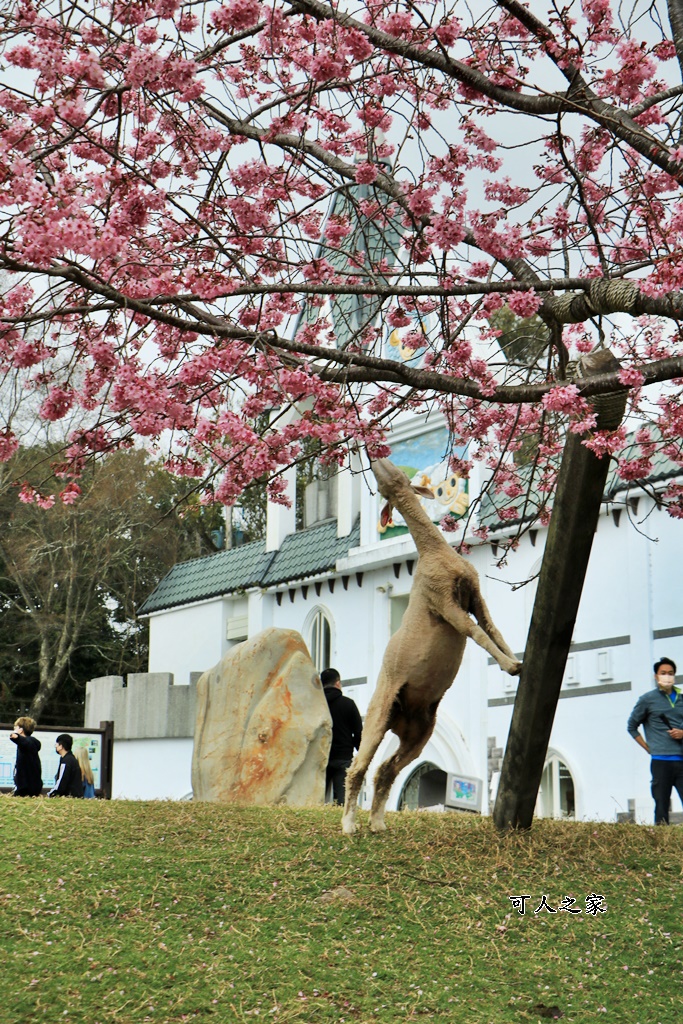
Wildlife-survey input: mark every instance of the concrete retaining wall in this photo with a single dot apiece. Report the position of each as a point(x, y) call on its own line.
point(146, 706)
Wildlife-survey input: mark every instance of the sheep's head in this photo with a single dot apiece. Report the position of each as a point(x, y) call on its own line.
point(392, 484)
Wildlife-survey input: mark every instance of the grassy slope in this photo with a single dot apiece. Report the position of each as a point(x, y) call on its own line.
point(173, 912)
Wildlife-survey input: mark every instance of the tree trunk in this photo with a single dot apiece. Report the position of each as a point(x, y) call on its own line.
point(580, 488)
point(44, 696)
point(52, 673)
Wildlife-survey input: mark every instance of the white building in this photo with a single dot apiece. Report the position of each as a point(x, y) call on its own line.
point(344, 587)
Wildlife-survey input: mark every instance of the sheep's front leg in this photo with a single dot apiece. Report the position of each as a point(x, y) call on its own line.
point(464, 625)
point(483, 617)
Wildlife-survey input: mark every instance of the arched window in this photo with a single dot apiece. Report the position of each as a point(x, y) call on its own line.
point(320, 639)
point(556, 796)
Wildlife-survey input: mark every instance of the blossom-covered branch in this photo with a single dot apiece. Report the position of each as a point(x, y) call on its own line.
point(213, 211)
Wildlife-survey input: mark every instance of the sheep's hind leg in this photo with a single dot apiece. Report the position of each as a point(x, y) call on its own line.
point(413, 740)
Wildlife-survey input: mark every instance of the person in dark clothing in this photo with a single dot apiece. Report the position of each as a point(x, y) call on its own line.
point(660, 711)
point(347, 728)
point(28, 779)
point(68, 780)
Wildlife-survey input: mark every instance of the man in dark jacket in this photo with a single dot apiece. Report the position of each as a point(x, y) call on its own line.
point(347, 728)
point(28, 779)
point(68, 780)
point(660, 711)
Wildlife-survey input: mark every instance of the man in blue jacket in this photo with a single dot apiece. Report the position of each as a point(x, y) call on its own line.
point(660, 712)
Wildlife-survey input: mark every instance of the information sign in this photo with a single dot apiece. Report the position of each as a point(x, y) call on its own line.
point(94, 742)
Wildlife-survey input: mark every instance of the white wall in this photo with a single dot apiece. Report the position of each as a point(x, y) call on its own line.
point(191, 639)
point(159, 769)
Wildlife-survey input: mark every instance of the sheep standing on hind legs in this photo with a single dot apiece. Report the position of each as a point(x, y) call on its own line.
point(424, 655)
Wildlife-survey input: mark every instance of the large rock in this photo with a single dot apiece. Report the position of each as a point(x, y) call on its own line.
point(263, 729)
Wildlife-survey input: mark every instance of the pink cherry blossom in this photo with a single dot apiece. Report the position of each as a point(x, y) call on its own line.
point(366, 173)
point(449, 524)
point(524, 304)
point(70, 494)
point(449, 32)
point(27, 494)
point(236, 15)
point(631, 376)
point(9, 445)
point(57, 404)
point(398, 318)
point(562, 399)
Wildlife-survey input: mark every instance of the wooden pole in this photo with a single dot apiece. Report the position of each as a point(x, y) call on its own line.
point(580, 487)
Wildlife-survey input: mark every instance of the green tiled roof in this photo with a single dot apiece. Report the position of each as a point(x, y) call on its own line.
point(309, 552)
point(303, 554)
point(222, 573)
point(663, 468)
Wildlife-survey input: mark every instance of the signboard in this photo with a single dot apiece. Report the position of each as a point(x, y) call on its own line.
point(463, 792)
point(98, 743)
point(424, 458)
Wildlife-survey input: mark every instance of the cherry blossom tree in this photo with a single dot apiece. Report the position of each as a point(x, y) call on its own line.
point(213, 211)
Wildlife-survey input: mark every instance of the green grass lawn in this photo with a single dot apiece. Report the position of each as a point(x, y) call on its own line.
point(172, 912)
